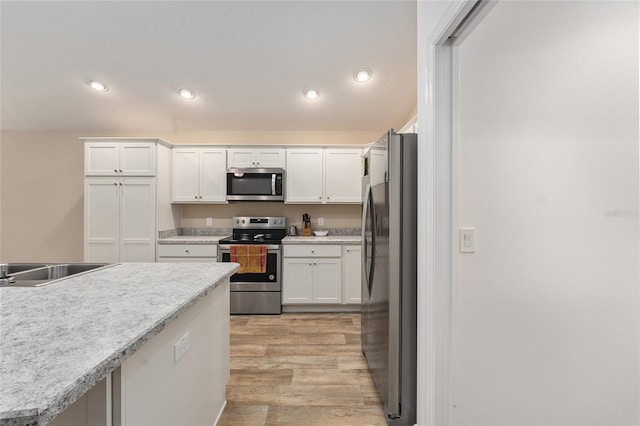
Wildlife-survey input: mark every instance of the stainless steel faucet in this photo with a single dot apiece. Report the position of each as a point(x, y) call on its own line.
point(4, 274)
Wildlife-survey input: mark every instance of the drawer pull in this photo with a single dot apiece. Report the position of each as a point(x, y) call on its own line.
point(186, 251)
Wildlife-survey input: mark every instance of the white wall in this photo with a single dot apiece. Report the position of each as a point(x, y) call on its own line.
point(547, 325)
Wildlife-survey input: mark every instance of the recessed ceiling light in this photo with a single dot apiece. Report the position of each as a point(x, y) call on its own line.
point(187, 94)
point(362, 75)
point(100, 87)
point(311, 93)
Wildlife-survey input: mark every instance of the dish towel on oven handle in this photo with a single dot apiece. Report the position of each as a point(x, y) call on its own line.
point(252, 258)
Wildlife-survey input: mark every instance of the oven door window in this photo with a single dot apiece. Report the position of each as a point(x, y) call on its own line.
point(269, 276)
point(249, 184)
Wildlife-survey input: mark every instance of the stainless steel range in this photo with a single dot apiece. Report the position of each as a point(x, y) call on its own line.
point(256, 244)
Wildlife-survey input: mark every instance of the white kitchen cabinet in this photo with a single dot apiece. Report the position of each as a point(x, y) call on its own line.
point(119, 158)
point(321, 176)
point(312, 275)
point(158, 386)
point(343, 175)
point(187, 253)
point(199, 175)
point(304, 175)
point(264, 158)
point(119, 219)
point(351, 274)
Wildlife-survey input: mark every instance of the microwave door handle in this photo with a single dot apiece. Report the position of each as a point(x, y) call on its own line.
point(273, 184)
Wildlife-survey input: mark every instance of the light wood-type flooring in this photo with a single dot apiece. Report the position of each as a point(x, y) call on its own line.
point(299, 369)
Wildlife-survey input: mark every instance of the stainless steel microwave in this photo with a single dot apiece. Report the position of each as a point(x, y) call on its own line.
point(252, 184)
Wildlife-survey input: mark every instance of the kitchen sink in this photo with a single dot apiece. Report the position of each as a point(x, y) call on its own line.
point(44, 274)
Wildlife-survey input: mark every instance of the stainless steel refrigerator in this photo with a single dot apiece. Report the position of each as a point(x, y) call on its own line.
point(389, 279)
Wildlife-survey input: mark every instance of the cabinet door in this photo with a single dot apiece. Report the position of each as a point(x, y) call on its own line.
point(297, 281)
point(270, 158)
point(186, 176)
point(239, 157)
point(213, 175)
point(137, 159)
point(328, 280)
point(101, 159)
point(138, 220)
point(101, 220)
point(343, 175)
point(304, 181)
point(351, 274)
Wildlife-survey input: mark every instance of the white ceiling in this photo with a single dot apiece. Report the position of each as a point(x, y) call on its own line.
point(248, 61)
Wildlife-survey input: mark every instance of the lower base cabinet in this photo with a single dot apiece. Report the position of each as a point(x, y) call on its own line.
point(311, 280)
point(321, 278)
point(178, 377)
point(158, 386)
point(187, 253)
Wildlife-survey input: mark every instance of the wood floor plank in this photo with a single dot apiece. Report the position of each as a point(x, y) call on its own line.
point(299, 369)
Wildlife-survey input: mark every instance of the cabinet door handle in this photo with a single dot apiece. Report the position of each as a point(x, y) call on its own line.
point(115, 170)
point(120, 184)
point(120, 171)
point(195, 196)
point(115, 183)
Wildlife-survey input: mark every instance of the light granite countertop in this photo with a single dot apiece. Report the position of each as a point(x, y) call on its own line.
point(58, 341)
point(329, 239)
point(192, 239)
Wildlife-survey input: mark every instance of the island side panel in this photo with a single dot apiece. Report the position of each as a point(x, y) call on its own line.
point(151, 388)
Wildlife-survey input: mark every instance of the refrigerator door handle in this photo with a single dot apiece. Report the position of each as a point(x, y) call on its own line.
point(368, 250)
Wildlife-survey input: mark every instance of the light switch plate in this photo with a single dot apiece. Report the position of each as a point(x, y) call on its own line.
point(321, 221)
point(467, 240)
point(209, 221)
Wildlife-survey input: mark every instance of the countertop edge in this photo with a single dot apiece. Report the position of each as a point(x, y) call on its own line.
point(43, 415)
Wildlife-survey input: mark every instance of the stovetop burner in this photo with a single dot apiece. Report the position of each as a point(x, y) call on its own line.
point(257, 230)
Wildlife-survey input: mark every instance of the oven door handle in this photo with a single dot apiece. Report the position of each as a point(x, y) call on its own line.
point(270, 247)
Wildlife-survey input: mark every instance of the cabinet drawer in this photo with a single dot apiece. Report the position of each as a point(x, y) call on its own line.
point(187, 250)
point(312, 251)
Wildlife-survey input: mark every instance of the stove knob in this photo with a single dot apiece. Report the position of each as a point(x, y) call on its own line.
point(242, 221)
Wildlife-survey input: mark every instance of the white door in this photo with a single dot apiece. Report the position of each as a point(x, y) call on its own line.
point(352, 273)
point(304, 175)
point(343, 175)
point(137, 159)
point(328, 280)
point(101, 220)
point(101, 159)
point(546, 308)
point(186, 175)
point(137, 220)
point(270, 158)
point(241, 158)
point(297, 280)
point(213, 175)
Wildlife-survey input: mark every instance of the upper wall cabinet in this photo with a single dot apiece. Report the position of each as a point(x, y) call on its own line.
point(263, 158)
point(116, 158)
point(343, 175)
point(324, 175)
point(199, 175)
point(304, 175)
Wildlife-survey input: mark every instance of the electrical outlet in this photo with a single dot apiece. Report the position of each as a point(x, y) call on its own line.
point(321, 221)
point(181, 347)
point(209, 221)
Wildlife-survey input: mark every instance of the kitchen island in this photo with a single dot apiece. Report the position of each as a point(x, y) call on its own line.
point(57, 342)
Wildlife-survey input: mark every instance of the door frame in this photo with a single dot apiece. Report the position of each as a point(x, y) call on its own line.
point(438, 207)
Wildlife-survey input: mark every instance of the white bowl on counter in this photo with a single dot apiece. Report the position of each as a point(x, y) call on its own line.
point(320, 233)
